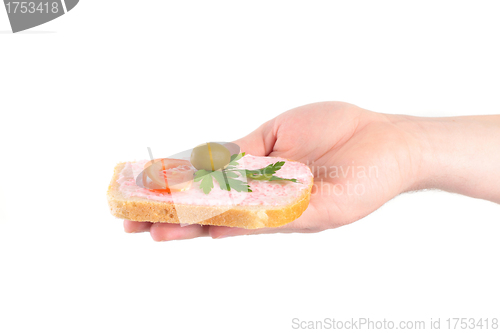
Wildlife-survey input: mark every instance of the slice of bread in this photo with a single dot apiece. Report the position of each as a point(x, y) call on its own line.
point(139, 206)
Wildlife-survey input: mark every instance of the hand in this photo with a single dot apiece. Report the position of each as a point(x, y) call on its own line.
point(360, 160)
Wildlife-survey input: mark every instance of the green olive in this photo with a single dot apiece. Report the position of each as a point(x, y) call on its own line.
point(220, 156)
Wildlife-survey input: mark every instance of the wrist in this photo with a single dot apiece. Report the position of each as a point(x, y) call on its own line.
point(433, 151)
point(455, 154)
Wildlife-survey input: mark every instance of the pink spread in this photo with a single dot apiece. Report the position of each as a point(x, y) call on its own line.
point(263, 192)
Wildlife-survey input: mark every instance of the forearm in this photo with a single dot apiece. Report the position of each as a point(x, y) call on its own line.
point(457, 154)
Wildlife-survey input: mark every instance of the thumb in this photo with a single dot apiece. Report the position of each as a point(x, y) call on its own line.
point(261, 141)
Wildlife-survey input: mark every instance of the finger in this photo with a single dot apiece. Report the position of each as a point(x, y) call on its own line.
point(169, 231)
point(217, 232)
point(261, 141)
point(309, 222)
point(135, 227)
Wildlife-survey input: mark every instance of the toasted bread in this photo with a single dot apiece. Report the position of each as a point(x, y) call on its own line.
point(142, 208)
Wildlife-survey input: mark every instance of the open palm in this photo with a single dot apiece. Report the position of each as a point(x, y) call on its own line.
point(360, 160)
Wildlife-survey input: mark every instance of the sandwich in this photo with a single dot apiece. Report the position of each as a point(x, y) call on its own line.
point(215, 185)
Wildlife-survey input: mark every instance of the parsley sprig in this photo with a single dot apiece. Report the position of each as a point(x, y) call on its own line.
point(227, 178)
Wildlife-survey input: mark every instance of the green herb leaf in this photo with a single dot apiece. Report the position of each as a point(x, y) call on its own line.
point(198, 175)
point(235, 158)
point(238, 185)
point(227, 178)
point(258, 175)
point(227, 181)
point(287, 179)
point(265, 173)
point(207, 184)
point(231, 174)
point(219, 177)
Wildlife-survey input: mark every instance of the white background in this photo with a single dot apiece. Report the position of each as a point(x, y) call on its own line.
point(100, 84)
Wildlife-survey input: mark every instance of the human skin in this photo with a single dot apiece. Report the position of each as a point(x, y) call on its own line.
point(399, 153)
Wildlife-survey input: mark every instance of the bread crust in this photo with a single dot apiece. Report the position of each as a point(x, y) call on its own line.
point(141, 209)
